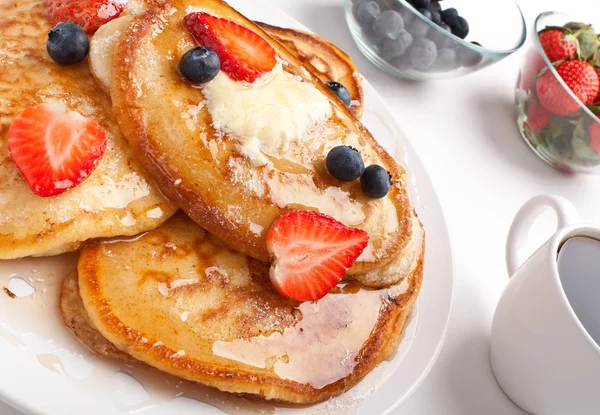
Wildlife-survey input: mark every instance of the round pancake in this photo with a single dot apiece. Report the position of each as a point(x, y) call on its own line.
point(178, 299)
point(201, 168)
point(323, 58)
point(118, 198)
point(78, 321)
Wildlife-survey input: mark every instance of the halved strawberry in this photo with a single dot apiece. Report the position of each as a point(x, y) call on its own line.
point(54, 148)
point(311, 253)
point(245, 56)
point(87, 14)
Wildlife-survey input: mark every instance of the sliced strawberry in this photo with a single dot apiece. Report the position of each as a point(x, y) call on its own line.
point(87, 14)
point(311, 253)
point(54, 148)
point(245, 56)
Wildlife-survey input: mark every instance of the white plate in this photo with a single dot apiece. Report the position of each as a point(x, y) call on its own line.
point(44, 370)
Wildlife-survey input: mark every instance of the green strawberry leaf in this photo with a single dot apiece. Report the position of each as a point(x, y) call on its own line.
point(542, 137)
point(559, 139)
point(595, 109)
point(561, 28)
point(582, 149)
point(596, 57)
point(588, 42)
point(573, 26)
point(559, 127)
point(531, 136)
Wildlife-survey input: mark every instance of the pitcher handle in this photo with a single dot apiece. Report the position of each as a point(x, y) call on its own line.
point(566, 214)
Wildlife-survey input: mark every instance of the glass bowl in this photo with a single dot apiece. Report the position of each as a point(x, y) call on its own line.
point(423, 49)
point(569, 142)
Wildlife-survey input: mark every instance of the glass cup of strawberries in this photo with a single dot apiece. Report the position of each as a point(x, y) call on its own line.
point(558, 99)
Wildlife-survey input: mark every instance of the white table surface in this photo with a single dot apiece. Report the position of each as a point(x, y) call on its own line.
point(465, 133)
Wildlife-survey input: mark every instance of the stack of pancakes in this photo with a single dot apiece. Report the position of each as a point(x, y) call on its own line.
point(188, 292)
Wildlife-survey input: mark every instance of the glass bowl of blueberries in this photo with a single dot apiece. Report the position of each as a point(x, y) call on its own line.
point(430, 39)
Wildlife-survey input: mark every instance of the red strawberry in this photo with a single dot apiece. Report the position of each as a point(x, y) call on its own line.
point(579, 76)
point(87, 14)
point(594, 132)
point(533, 66)
point(537, 116)
point(311, 253)
point(597, 96)
point(245, 56)
point(558, 44)
point(55, 149)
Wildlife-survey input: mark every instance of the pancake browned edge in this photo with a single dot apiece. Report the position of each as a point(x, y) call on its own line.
point(323, 58)
point(142, 324)
point(215, 188)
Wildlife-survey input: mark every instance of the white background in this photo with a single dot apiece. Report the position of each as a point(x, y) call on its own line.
point(465, 133)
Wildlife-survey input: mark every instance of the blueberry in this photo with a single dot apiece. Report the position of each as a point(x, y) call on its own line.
point(388, 25)
point(406, 13)
point(370, 36)
point(422, 53)
point(468, 57)
point(440, 39)
point(384, 4)
point(426, 13)
point(418, 28)
point(367, 12)
point(393, 48)
point(446, 60)
point(420, 4)
point(402, 63)
point(200, 65)
point(436, 18)
point(341, 92)
point(445, 27)
point(449, 14)
point(345, 163)
point(67, 44)
point(434, 6)
point(451, 21)
point(376, 181)
point(460, 27)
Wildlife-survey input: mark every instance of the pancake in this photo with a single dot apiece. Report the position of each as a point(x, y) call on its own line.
point(323, 58)
point(179, 300)
point(208, 173)
point(118, 198)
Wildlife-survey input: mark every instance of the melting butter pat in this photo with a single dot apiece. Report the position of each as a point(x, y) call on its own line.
point(273, 112)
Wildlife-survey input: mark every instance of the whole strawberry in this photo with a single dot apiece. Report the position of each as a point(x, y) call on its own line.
point(594, 132)
point(537, 116)
point(534, 64)
point(579, 76)
point(87, 14)
point(597, 96)
point(558, 44)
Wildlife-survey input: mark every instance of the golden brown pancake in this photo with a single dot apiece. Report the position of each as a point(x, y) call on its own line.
point(178, 299)
point(323, 58)
point(118, 198)
point(202, 169)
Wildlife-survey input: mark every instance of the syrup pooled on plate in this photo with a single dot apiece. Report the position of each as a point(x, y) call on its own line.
point(33, 323)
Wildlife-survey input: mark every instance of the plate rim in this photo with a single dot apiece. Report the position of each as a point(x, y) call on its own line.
point(28, 406)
